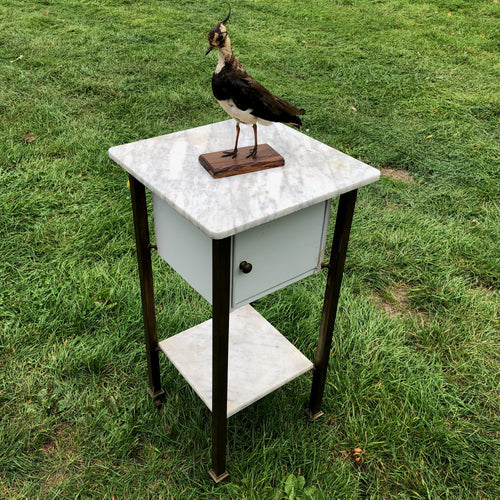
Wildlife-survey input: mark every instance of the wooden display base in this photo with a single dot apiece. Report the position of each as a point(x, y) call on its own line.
point(225, 166)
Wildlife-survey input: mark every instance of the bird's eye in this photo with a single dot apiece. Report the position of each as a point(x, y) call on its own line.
point(221, 37)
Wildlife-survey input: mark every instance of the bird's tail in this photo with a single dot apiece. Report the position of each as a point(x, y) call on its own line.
point(290, 113)
point(295, 120)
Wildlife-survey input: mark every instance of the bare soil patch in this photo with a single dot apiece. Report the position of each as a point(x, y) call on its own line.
point(399, 175)
point(395, 303)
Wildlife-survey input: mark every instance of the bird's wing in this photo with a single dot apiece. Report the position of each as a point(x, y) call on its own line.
point(248, 93)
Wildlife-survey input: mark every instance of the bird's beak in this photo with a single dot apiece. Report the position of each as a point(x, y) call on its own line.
point(209, 49)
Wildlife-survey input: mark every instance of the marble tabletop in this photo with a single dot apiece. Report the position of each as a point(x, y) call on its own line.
point(168, 165)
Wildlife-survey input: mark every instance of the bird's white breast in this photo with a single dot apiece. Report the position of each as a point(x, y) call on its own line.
point(243, 116)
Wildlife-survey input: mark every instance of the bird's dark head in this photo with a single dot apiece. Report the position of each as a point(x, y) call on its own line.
point(217, 36)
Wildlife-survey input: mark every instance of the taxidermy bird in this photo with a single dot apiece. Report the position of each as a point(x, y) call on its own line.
point(240, 95)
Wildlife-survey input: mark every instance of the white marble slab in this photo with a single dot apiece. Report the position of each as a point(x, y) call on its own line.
point(260, 359)
point(168, 165)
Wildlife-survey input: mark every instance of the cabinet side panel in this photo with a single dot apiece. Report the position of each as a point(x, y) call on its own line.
point(324, 235)
point(184, 247)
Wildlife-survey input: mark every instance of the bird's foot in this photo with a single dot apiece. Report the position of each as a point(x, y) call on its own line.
point(232, 154)
point(253, 153)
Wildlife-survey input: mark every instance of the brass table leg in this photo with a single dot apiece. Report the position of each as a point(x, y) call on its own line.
point(221, 272)
point(343, 223)
point(140, 212)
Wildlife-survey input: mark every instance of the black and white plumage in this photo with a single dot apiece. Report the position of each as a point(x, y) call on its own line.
point(240, 95)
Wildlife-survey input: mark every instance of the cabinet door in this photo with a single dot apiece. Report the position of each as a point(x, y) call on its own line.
point(280, 252)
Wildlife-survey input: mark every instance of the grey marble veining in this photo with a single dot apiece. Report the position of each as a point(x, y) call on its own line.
point(168, 165)
point(260, 359)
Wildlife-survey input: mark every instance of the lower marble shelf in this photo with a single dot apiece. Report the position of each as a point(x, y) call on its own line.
point(260, 359)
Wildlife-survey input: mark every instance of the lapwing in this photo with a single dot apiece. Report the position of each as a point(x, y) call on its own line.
point(241, 95)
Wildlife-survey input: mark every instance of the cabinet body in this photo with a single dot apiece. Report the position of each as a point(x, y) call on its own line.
point(281, 252)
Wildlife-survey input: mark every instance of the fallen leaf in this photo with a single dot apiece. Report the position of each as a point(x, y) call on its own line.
point(357, 455)
point(429, 136)
point(28, 137)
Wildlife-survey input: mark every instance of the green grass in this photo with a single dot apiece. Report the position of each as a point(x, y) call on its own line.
point(408, 87)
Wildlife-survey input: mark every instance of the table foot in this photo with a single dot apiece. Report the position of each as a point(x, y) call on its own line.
point(158, 397)
point(314, 416)
point(218, 478)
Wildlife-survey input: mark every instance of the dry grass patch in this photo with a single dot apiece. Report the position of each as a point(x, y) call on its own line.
point(395, 303)
point(49, 446)
point(399, 175)
point(61, 441)
point(60, 447)
point(56, 479)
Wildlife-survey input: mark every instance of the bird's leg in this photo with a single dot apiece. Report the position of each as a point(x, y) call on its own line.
point(253, 152)
point(233, 153)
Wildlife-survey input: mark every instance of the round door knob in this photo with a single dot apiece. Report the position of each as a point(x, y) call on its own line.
point(245, 267)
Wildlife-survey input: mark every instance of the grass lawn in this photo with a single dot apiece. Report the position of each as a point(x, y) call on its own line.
point(408, 87)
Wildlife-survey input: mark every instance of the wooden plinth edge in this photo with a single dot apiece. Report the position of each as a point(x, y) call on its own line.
point(224, 166)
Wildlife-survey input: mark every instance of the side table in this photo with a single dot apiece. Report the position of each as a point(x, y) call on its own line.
point(236, 239)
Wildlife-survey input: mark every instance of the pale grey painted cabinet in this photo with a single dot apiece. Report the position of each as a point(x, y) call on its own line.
point(280, 252)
